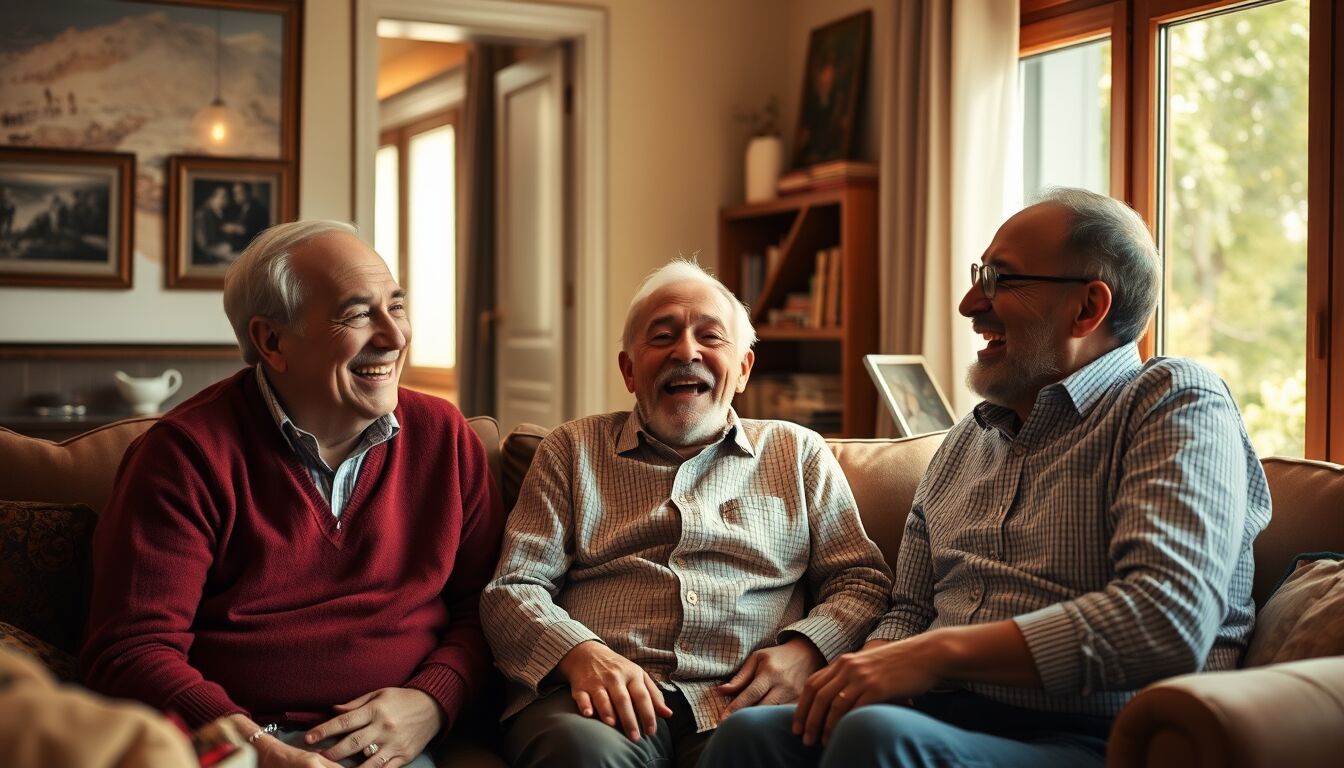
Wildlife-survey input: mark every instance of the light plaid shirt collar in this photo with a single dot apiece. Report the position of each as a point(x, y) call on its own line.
point(1082, 390)
point(335, 484)
point(636, 430)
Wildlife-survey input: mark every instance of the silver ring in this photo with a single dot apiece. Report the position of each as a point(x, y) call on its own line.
point(371, 750)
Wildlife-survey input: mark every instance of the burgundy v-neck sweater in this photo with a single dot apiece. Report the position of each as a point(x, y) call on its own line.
point(222, 582)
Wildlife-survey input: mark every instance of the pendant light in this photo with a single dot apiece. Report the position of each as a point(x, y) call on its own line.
point(216, 126)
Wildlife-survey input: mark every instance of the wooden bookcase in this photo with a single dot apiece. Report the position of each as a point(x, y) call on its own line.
point(819, 365)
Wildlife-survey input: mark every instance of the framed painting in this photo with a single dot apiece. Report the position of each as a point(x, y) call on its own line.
point(916, 403)
point(65, 218)
point(216, 206)
point(837, 61)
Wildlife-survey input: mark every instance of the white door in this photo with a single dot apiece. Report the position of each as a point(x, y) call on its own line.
point(531, 239)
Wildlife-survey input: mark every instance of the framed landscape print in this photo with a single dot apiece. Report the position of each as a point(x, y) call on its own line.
point(65, 218)
point(916, 403)
point(216, 206)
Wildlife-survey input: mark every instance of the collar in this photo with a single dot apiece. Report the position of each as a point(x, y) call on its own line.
point(305, 443)
point(1083, 388)
point(635, 432)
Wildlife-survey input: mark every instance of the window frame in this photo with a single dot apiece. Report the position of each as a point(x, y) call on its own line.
point(1133, 26)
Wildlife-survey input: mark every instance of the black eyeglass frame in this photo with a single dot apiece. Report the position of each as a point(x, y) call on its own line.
point(989, 277)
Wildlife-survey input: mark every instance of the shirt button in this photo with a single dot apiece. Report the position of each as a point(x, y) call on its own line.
point(684, 646)
point(692, 597)
point(657, 676)
point(681, 562)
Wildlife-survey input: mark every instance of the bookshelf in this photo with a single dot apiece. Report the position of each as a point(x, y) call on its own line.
point(806, 266)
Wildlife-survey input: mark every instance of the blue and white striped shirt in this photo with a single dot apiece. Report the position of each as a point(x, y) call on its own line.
point(337, 484)
point(1115, 527)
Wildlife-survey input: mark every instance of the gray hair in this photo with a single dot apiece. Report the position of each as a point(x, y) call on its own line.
point(683, 270)
point(1118, 250)
point(261, 283)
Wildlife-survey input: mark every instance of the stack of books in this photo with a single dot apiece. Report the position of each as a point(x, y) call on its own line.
point(834, 173)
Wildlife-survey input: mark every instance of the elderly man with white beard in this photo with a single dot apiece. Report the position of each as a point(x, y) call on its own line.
point(667, 566)
point(1085, 531)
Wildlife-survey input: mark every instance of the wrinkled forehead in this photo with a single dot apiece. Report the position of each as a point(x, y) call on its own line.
point(686, 302)
point(335, 266)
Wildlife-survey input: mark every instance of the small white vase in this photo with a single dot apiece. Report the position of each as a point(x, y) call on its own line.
point(765, 155)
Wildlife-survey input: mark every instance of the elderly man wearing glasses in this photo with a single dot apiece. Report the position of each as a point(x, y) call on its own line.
point(1086, 530)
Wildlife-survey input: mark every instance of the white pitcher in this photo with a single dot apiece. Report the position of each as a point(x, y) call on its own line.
point(146, 394)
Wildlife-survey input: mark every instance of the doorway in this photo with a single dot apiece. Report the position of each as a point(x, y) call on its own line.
point(585, 355)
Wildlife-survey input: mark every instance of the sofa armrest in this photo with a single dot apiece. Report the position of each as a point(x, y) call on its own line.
point(1281, 714)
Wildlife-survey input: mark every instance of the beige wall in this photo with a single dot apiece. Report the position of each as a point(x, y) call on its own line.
point(326, 129)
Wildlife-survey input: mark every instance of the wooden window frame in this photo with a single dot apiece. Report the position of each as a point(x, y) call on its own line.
point(1133, 26)
point(438, 380)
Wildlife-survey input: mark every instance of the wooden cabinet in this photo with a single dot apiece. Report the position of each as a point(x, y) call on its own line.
point(810, 259)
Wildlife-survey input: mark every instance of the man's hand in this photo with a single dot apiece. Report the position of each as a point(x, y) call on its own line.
point(880, 672)
point(604, 681)
point(401, 721)
point(271, 752)
point(773, 675)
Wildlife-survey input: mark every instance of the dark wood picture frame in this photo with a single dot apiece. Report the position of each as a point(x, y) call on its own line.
point(207, 225)
point(837, 66)
point(291, 15)
point(91, 202)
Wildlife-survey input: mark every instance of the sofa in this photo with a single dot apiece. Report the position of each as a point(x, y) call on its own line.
point(1288, 713)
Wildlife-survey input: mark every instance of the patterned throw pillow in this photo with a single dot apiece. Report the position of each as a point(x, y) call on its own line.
point(44, 569)
point(62, 665)
point(1304, 618)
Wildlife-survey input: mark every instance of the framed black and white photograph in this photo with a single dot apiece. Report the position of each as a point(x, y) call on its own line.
point(65, 218)
point(916, 403)
point(216, 206)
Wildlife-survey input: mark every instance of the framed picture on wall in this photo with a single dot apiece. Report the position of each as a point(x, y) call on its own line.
point(65, 218)
point(916, 403)
point(837, 61)
point(216, 206)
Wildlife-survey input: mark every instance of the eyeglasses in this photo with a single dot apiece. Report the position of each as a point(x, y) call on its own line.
point(989, 277)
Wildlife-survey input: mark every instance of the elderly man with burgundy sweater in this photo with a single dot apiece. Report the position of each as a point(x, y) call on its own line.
point(303, 544)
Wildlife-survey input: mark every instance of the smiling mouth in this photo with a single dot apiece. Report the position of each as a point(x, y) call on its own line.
point(373, 372)
point(686, 387)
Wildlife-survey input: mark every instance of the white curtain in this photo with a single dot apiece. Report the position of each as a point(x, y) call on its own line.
point(949, 163)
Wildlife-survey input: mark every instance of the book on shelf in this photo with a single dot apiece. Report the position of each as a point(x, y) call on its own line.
point(811, 399)
point(833, 276)
point(825, 175)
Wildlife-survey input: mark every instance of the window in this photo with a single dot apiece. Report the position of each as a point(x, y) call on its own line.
point(415, 209)
point(1221, 141)
point(1232, 209)
point(1065, 103)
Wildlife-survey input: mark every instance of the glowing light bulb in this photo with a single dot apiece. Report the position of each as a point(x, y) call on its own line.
point(216, 126)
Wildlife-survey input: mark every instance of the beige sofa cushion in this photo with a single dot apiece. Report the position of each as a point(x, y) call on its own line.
point(1304, 618)
point(75, 471)
point(883, 475)
point(1308, 517)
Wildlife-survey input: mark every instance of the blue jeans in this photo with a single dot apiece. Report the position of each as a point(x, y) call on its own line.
point(941, 729)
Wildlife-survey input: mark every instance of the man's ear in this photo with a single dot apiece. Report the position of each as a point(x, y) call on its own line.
point(627, 367)
point(264, 334)
point(747, 361)
point(1092, 312)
